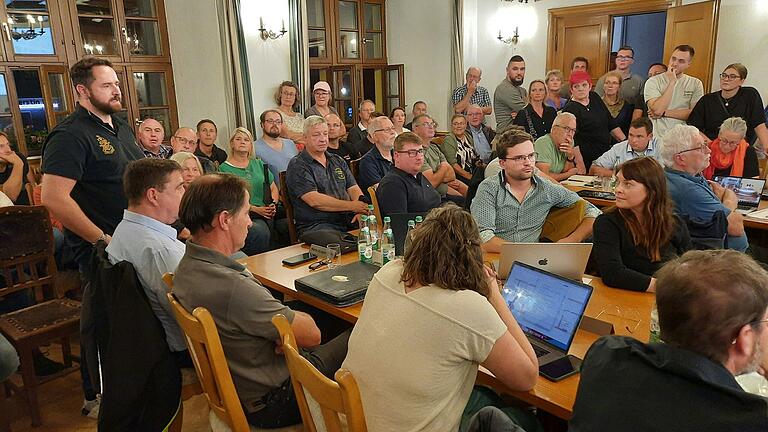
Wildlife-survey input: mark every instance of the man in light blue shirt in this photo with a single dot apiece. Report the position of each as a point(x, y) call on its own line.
point(685, 155)
point(641, 143)
point(154, 188)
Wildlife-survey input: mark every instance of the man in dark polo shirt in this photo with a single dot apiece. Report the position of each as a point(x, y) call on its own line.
point(378, 161)
point(83, 162)
point(215, 209)
point(321, 187)
point(405, 189)
point(206, 143)
point(713, 316)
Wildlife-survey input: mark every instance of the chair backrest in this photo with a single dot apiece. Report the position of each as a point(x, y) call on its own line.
point(288, 208)
point(354, 166)
point(26, 250)
point(210, 363)
point(30, 188)
point(438, 140)
point(334, 397)
point(375, 202)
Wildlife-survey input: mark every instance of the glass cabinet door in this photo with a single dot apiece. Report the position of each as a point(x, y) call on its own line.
point(96, 29)
point(56, 93)
point(349, 33)
point(141, 34)
point(345, 94)
point(151, 94)
point(7, 122)
point(373, 27)
point(31, 31)
point(318, 25)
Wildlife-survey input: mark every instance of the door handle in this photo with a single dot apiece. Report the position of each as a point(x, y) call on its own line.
point(7, 31)
point(125, 35)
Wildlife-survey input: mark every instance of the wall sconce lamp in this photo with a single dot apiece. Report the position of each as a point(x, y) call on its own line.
point(509, 40)
point(270, 34)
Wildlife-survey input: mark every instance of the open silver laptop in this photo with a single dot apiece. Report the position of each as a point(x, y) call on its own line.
point(564, 259)
point(747, 190)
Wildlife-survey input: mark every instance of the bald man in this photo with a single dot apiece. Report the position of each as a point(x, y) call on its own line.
point(150, 136)
point(185, 140)
point(471, 93)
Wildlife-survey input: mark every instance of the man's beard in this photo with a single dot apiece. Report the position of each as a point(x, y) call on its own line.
point(517, 83)
point(106, 107)
point(271, 134)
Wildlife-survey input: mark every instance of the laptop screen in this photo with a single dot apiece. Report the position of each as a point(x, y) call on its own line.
point(547, 307)
point(747, 190)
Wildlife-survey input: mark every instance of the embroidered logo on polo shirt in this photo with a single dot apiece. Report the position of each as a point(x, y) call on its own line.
point(339, 173)
point(105, 145)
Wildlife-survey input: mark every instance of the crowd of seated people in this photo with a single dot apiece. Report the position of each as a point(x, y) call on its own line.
point(222, 202)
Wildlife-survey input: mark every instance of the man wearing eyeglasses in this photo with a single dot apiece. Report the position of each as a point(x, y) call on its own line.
point(378, 161)
point(512, 206)
point(482, 135)
point(713, 316)
point(405, 189)
point(436, 168)
point(631, 83)
point(685, 156)
point(273, 149)
point(185, 140)
point(556, 155)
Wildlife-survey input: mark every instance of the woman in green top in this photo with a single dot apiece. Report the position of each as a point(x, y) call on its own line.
point(263, 192)
point(459, 150)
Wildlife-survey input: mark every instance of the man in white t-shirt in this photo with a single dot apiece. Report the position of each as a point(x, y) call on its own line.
point(672, 95)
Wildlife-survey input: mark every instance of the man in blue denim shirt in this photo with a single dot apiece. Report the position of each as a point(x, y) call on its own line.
point(685, 156)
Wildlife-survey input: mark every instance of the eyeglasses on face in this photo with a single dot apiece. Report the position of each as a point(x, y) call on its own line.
point(274, 122)
point(389, 130)
point(624, 58)
point(567, 129)
point(428, 124)
point(411, 153)
point(185, 140)
point(521, 158)
point(703, 147)
point(729, 77)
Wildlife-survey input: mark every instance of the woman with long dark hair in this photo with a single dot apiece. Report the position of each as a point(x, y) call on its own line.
point(636, 237)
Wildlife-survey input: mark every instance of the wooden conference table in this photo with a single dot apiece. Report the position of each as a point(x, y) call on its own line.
point(628, 311)
point(749, 221)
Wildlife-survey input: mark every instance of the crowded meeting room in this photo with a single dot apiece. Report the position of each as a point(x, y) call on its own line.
point(383, 215)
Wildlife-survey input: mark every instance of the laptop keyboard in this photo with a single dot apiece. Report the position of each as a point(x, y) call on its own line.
point(540, 352)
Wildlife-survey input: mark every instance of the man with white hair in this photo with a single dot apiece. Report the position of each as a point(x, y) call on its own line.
point(685, 156)
point(150, 136)
point(556, 156)
point(471, 93)
point(375, 164)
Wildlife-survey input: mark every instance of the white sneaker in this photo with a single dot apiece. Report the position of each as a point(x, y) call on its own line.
point(91, 407)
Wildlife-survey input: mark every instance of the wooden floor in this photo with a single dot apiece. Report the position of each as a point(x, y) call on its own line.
point(62, 399)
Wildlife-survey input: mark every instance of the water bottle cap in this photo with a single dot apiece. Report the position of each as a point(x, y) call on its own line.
point(363, 218)
point(387, 219)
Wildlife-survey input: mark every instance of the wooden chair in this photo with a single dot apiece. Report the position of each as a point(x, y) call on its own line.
point(438, 140)
point(313, 390)
point(294, 237)
point(26, 262)
point(375, 202)
point(211, 366)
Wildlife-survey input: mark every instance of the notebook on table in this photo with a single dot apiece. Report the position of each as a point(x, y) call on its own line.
point(548, 308)
point(342, 286)
point(747, 190)
point(565, 259)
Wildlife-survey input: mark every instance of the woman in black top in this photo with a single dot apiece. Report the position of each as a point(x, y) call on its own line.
point(594, 124)
point(640, 234)
point(732, 100)
point(536, 117)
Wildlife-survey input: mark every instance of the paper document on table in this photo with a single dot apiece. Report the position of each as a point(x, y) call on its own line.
point(760, 214)
point(580, 180)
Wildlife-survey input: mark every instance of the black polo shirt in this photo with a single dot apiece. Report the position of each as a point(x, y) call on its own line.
point(372, 168)
point(629, 386)
point(93, 153)
point(710, 112)
point(304, 174)
point(400, 192)
point(5, 174)
point(361, 147)
point(218, 156)
point(343, 151)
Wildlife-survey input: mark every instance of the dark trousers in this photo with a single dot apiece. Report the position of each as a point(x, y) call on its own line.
point(82, 253)
point(280, 406)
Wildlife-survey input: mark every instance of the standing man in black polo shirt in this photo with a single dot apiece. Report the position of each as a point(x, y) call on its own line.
point(206, 143)
point(405, 189)
point(321, 187)
point(83, 162)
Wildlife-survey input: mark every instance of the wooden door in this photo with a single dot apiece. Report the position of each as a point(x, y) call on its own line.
point(695, 25)
point(584, 36)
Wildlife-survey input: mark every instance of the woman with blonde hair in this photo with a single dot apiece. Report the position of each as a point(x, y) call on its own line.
point(554, 81)
point(620, 109)
point(288, 100)
point(263, 191)
point(190, 166)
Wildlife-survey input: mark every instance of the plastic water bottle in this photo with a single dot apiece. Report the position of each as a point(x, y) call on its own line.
point(387, 242)
point(373, 229)
point(364, 245)
point(408, 235)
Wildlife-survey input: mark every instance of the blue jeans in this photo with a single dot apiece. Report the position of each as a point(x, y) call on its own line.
point(9, 360)
point(258, 238)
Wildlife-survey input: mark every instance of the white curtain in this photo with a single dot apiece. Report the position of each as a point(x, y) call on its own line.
point(457, 49)
point(237, 81)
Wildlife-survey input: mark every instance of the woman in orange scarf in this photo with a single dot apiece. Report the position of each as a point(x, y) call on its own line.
point(731, 154)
